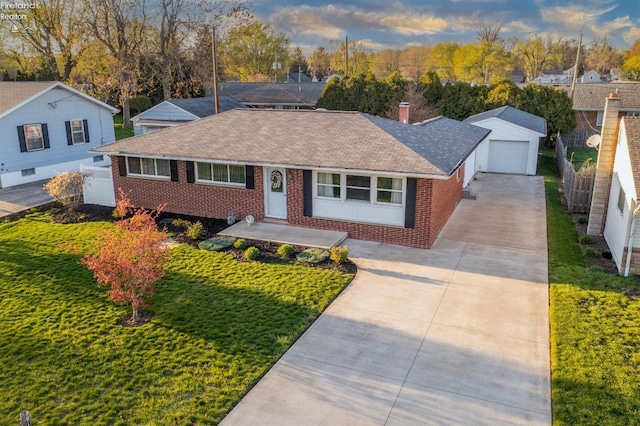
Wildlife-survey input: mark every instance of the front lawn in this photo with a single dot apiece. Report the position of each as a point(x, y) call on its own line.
point(219, 324)
point(595, 328)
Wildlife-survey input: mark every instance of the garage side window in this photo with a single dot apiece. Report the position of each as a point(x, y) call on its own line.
point(621, 197)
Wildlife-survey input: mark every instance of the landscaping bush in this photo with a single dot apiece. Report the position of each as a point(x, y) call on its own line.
point(240, 244)
point(66, 188)
point(286, 251)
point(217, 243)
point(586, 239)
point(591, 252)
point(583, 220)
point(252, 253)
point(181, 223)
point(313, 256)
point(195, 230)
point(339, 254)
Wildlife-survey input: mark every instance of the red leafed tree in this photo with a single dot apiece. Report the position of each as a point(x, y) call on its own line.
point(130, 259)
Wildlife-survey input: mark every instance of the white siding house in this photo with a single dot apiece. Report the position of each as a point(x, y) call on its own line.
point(512, 145)
point(620, 228)
point(47, 128)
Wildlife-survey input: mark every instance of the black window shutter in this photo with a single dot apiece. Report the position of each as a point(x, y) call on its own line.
point(67, 125)
point(173, 165)
point(191, 174)
point(410, 208)
point(249, 177)
point(122, 165)
point(307, 193)
point(85, 124)
point(45, 136)
point(22, 139)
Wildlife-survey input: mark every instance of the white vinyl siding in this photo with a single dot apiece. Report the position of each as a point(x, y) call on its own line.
point(231, 174)
point(148, 167)
point(359, 198)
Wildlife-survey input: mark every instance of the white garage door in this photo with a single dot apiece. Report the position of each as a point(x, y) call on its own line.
point(508, 156)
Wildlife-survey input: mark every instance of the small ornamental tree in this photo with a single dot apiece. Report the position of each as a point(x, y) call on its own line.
point(66, 188)
point(130, 259)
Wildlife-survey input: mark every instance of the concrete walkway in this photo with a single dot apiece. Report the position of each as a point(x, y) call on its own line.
point(458, 334)
point(285, 234)
point(23, 197)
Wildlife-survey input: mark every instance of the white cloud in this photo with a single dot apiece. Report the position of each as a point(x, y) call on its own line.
point(572, 16)
point(632, 35)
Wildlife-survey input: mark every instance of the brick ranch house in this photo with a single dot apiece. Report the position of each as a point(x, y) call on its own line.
point(374, 178)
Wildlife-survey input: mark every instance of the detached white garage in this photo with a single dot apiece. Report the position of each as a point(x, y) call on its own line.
point(512, 145)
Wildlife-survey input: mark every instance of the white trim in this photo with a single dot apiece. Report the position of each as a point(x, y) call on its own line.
point(216, 182)
point(267, 190)
point(137, 117)
point(155, 166)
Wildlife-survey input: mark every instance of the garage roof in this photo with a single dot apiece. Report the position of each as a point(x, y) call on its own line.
point(513, 116)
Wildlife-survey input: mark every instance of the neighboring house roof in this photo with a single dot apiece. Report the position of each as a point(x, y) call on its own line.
point(18, 93)
point(513, 116)
point(204, 107)
point(196, 107)
point(592, 96)
point(313, 139)
point(632, 127)
point(295, 77)
point(258, 94)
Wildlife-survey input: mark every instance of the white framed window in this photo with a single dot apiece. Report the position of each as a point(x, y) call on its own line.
point(599, 118)
point(232, 174)
point(329, 185)
point(34, 137)
point(77, 131)
point(621, 199)
point(633, 113)
point(150, 167)
point(389, 190)
point(360, 188)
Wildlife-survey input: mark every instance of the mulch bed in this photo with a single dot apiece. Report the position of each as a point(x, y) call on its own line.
point(604, 261)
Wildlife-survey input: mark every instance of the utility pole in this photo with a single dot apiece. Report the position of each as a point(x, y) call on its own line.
point(346, 56)
point(575, 68)
point(216, 98)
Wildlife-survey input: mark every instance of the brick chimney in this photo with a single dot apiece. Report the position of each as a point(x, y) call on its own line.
point(404, 112)
point(604, 170)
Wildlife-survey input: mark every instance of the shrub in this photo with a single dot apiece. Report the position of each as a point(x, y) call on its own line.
point(583, 220)
point(240, 244)
point(586, 239)
point(181, 223)
point(66, 188)
point(140, 103)
point(339, 254)
point(195, 230)
point(313, 256)
point(252, 253)
point(286, 251)
point(591, 252)
point(217, 243)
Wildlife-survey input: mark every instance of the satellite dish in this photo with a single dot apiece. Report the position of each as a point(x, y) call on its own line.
point(594, 141)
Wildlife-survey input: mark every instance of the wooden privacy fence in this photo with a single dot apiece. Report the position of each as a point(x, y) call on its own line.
point(577, 186)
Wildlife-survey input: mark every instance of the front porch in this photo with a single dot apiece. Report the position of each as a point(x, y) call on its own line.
point(282, 234)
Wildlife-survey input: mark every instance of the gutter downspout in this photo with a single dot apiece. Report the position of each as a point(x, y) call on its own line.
point(632, 231)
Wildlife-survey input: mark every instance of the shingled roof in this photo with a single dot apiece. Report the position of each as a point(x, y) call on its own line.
point(513, 116)
point(204, 107)
point(259, 94)
point(313, 139)
point(13, 94)
point(592, 96)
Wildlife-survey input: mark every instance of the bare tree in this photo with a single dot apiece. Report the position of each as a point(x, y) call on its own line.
point(602, 56)
point(489, 32)
point(54, 31)
point(121, 26)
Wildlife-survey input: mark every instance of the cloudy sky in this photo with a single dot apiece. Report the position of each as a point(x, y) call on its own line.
point(380, 24)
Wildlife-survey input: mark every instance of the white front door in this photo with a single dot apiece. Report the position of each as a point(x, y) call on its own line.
point(275, 186)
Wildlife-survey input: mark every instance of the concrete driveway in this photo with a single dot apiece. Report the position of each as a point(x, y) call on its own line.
point(455, 335)
point(22, 197)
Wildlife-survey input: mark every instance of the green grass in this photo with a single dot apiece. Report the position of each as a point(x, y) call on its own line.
point(595, 329)
point(579, 156)
point(121, 132)
point(219, 325)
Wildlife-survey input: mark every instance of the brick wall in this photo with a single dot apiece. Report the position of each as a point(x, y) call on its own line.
point(431, 214)
point(585, 120)
point(215, 201)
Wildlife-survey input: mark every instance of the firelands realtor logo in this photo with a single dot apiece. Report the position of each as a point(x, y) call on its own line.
point(17, 14)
